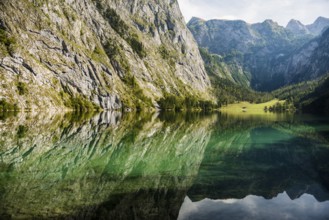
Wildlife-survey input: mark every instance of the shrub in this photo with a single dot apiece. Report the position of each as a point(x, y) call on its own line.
point(111, 49)
point(170, 102)
point(22, 88)
point(206, 105)
point(121, 28)
point(170, 55)
point(6, 106)
point(7, 41)
point(98, 50)
point(116, 22)
point(117, 58)
point(164, 52)
point(141, 101)
point(174, 103)
point(137, 46)
point(191, 102)
point(4, 115)
point(130, 81)
point(281, 107)
point(21, 131)
point(79, 103)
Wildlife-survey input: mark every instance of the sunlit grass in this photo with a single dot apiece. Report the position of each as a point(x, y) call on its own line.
point(249, 110)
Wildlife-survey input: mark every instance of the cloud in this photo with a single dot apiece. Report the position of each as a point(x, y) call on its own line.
point(254, 11)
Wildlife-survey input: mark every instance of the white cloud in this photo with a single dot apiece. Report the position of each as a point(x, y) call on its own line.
point(254, 11)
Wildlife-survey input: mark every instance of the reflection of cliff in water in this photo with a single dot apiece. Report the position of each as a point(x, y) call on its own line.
point(108, 165)
point(254, 157)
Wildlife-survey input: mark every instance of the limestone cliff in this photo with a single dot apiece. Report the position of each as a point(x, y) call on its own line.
point(111, 53)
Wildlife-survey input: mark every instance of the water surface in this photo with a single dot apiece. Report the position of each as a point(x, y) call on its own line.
point(185, 166)
point(263, 169)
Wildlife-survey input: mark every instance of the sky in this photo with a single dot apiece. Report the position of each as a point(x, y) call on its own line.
point(253, 11)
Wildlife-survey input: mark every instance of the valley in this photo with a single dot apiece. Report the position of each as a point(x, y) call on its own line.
point(263, 61)
point(127, 110)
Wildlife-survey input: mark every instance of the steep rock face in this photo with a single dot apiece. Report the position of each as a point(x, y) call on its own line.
point(307, 62)
point(311, 61)
point(105, 52)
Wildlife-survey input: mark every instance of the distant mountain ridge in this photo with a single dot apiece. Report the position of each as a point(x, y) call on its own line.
point(227, 35)
point(267, 54)
point(315, 29)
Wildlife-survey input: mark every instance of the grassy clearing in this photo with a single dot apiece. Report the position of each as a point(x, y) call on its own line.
point(252, 111)
point(250, 108)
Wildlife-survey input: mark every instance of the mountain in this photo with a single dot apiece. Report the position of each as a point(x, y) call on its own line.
point(262, 52)
point(319, 25)
point(297, 27)
point(310, 61)
point(229, 82)
point(315, 29)
point(106, 53)
point(221, 36)
point(225, 36)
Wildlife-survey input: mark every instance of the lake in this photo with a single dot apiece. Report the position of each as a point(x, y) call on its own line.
point(168, 166)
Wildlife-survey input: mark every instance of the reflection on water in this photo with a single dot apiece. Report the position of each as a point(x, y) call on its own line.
point(107, 165)
point(263, 169)
point(115, 166)
point(256, 207)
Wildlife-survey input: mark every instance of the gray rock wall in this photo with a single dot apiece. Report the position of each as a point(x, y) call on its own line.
point(60, 52)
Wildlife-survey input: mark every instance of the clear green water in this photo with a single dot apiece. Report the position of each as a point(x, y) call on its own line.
point(185, 166)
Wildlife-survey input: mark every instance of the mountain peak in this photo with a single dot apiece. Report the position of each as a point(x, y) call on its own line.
point(297, 27)
point(319, 25)
point(196, 20)
point(294, 22)
point(270, 21)
point(321, 19)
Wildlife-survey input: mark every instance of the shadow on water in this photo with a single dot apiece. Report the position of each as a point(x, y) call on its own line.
point(144, 166)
